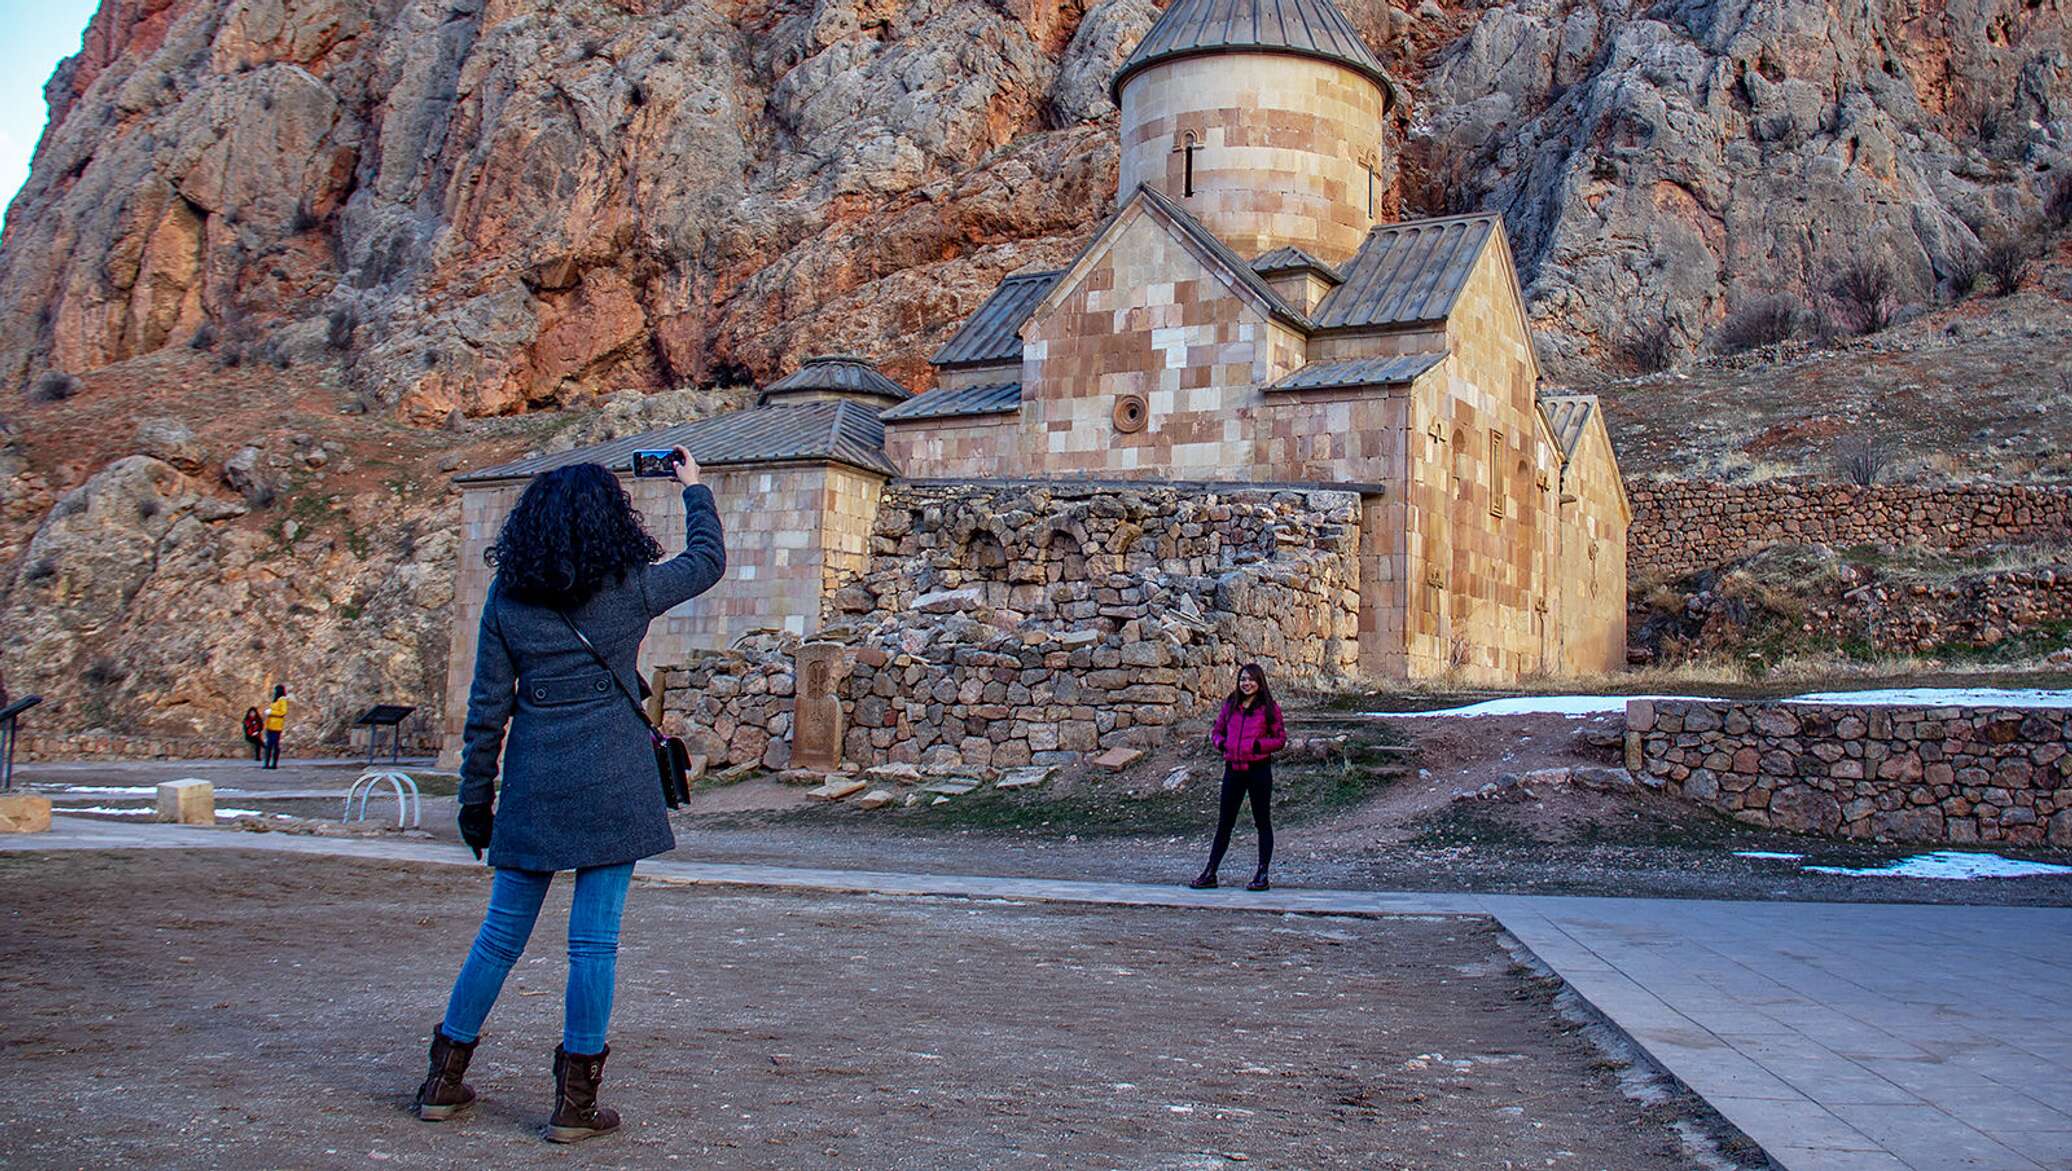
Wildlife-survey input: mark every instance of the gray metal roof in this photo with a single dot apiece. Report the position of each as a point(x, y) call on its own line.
point(1567, 416)
point(993, 333)
point(1393, 370)
point(836, 374)
point(1309, 28)
point(969, 400)
point(1239, 270)
point(831, 429)
point(1292, 259)
point(1407, 273)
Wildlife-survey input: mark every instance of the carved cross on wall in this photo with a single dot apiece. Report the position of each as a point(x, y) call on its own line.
point(1437, 431)
point(1187, 148)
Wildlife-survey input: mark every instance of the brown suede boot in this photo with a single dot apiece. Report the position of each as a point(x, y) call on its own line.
point(443, 1094)
point(577, 1115)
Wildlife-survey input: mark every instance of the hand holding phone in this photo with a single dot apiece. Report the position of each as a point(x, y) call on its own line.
point(661, 465)
point(685, 467)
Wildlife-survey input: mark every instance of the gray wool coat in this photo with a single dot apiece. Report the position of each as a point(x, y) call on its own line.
point(579, 783)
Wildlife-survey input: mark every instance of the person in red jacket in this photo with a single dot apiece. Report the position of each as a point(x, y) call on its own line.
point(1248, 732)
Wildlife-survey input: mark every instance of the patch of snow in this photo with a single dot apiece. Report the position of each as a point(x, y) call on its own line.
point(1945, 697)
point(111, 810)
point(1573, 706)
point(1579, 706)
point(1768, 854)
point(109, 790)
point(1952, 864)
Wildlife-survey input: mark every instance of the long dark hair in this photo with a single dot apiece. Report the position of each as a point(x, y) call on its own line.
point(1258, 674)
point(573, 530)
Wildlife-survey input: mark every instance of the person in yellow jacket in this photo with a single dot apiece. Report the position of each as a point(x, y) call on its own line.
point(276, 721)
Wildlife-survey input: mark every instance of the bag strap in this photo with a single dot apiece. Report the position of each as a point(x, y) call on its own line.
point(624, 690)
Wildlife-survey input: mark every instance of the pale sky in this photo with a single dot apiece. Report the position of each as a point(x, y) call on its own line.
point(34, 36)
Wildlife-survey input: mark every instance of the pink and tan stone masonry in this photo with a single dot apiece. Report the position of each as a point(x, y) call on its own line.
point(1002, 625)
point(1290, 149)
point(1912, 774)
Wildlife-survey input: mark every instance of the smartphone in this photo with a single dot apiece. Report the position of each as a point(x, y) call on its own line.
point(654, 465)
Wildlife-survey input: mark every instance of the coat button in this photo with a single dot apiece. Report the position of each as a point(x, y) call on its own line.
point(539, 693)
point(600, 685)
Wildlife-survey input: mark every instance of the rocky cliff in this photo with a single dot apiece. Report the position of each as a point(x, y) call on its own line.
point(495, 204)
point(287, 224)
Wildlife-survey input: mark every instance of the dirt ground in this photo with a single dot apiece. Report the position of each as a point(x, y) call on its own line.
point(236, 1011)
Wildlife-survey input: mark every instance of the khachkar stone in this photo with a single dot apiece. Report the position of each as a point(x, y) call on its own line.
point(816, 722)
point(188, 802)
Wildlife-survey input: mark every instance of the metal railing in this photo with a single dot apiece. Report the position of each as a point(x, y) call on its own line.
point(409, 802)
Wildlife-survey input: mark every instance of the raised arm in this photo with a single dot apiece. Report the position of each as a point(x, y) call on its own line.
point(490, 700)
point(669, 584)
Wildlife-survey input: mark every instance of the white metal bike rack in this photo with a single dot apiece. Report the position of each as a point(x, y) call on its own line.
point(409, 803)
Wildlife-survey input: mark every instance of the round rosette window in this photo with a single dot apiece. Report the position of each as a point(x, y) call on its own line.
point(1131, 414)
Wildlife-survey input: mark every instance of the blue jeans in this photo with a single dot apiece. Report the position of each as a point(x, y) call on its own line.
point(593, 953)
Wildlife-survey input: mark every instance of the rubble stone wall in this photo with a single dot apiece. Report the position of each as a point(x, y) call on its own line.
point(1911, 774)
point(1004, 625)
point(1681, 526)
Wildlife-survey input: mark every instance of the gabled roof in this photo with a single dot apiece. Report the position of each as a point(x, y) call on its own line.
point(993, 334)
point(1307, 28)
point(967, 400)
point(835, 374)
point(829, 430)
point(1292, 259)
point(1567, 416)
point(1392, 370)
point(1408, 273)
point(1218, 254)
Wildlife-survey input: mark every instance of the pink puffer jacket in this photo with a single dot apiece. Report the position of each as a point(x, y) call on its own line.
point(1249, 735)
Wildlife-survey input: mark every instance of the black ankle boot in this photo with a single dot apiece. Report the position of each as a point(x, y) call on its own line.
point(443, 1093)
point(1259, 882)
point(1206, 880)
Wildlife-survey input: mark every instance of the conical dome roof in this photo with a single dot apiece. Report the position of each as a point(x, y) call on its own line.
point(1307, 28)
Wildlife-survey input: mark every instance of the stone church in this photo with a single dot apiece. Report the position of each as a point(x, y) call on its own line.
point(1242, 318)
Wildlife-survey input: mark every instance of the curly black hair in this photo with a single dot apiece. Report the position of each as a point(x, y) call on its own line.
point(574, 529)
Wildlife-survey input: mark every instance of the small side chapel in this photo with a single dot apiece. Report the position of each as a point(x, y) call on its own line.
point(1242, 318)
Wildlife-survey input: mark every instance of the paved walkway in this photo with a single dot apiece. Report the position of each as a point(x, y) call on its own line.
point(1841, 1037)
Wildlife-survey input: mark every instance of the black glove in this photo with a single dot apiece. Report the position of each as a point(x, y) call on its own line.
point(476, 823)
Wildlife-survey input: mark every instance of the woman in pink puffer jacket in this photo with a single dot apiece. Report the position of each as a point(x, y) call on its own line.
point(1248, 732)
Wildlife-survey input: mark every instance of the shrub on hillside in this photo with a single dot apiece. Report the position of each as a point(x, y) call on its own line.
point(1764, 321)
point(1865, 294)
point(1964, 274)
point(1653, 349)
point(1865, 456)
point(2003, 263)
point(53, 386)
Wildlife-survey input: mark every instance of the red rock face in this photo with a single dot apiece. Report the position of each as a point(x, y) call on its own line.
point(524, 205)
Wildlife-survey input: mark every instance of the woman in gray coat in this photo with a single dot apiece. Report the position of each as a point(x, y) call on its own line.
point(580, 791)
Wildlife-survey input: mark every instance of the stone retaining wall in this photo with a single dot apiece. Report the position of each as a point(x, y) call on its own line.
point(1680, 526)
point(1911, 774)
point(999, 626)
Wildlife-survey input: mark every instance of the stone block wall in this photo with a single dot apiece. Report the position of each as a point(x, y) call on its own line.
point(1683, 526)
point(1955, 775)
point(1001, 625)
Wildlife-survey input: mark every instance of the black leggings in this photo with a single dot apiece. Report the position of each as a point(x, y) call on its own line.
point(1256, 782)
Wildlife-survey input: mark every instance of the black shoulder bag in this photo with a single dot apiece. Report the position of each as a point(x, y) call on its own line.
point(672, 759)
